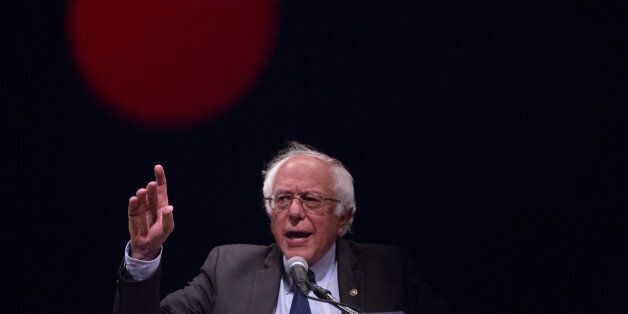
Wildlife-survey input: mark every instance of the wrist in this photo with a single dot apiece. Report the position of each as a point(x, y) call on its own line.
point(143, 254)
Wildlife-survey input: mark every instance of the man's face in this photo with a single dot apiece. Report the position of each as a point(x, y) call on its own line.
point(298, 232)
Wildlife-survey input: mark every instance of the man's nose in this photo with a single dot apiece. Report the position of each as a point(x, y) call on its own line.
point(296, 209)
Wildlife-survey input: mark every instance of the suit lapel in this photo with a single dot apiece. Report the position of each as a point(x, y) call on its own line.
point(349, 275)
point(266, 283)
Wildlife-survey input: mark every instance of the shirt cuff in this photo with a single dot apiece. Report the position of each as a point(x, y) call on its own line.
point(139, 269)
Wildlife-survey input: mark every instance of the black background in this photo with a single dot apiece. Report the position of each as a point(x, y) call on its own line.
point(486, 137)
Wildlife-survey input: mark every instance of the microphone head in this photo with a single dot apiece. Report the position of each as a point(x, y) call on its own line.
point(296, 267)
point(296, 260)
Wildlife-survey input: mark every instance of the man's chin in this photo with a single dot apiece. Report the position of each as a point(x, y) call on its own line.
point(290, 252)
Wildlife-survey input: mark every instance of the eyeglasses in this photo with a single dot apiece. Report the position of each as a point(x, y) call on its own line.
point(309, 201)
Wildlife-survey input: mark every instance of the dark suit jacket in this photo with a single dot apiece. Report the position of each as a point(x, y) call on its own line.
point(244, 278)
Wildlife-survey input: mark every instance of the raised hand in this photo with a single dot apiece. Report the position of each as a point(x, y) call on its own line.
point(150, 217)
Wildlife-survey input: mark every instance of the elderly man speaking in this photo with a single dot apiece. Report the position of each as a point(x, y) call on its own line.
point(309, 199)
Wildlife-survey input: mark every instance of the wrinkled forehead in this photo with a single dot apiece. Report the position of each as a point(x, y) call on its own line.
point(304, 173)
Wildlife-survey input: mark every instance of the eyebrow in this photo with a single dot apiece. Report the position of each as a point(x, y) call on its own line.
point(302, 193)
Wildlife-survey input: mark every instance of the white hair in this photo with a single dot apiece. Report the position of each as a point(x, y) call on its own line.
point(343, 181)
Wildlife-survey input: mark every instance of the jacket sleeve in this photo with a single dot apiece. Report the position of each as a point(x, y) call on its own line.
point(199, 295)
point(144, 296)
point(137, 296)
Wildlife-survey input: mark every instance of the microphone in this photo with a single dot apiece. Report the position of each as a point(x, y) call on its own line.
point(318, 290)
point(305, 280)
point(297, 269)
point(326, 296)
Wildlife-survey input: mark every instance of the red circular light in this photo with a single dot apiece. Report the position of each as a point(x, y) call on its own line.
point(171, 62)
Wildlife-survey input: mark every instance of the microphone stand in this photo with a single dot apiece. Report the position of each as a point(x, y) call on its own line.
point(325, 294)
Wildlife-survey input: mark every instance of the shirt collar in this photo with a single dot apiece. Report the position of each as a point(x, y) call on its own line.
point(320, 269)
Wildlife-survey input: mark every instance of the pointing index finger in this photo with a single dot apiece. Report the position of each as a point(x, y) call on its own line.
point(162, 191)
point(160, 175)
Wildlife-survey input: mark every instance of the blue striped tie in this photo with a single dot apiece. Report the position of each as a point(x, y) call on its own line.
point(300, 305)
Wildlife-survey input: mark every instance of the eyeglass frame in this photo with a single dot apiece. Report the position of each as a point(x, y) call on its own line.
point(269, 199)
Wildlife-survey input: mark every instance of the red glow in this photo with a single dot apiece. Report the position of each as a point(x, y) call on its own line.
point(171, 62)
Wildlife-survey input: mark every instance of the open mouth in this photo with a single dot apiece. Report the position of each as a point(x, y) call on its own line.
point(298, 236)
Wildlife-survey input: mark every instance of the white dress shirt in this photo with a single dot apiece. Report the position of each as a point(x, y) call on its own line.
point(326, 276)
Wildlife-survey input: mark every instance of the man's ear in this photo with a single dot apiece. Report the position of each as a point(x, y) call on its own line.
point(344, 221)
